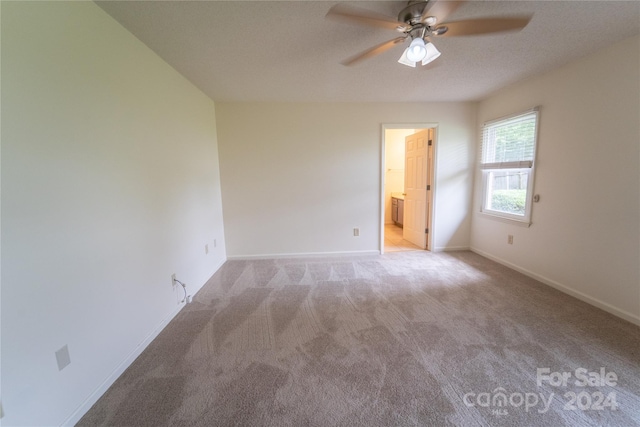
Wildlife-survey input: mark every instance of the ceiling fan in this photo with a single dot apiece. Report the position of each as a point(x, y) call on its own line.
point(420, 21)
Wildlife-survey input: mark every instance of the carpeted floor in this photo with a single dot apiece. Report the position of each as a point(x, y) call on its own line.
point(408, 338)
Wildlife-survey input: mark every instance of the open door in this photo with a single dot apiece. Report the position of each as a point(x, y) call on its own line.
point(416, 181)
point(419, 160)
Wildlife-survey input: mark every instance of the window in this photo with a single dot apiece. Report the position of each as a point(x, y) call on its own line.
point(508, 159)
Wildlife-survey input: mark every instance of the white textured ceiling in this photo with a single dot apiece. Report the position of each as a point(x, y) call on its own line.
point(287, 50)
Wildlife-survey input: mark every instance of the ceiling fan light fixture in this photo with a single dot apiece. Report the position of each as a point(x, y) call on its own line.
point(417, 50)
point(432, 53)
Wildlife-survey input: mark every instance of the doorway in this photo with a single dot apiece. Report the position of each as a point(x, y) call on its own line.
point(407, 180)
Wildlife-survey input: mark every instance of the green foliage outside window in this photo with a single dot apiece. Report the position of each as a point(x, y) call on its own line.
point(510, 201)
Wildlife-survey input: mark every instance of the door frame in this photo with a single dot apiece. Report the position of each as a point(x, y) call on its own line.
point(434, 171)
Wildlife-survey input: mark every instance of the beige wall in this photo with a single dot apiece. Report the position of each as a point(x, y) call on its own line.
point(585, 233)
point(110, 184)
point(297, 178)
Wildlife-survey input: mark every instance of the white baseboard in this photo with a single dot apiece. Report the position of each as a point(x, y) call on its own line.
point(108, 382)
point(630, 317)
point(451, 248)
point(303, 255)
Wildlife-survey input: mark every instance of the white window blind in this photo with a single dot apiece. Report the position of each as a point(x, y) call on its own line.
point(510, 143)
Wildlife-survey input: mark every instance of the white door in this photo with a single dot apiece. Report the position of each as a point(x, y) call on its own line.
point(415, 188)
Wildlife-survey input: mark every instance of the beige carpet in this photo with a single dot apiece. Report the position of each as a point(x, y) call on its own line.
point(408, 339)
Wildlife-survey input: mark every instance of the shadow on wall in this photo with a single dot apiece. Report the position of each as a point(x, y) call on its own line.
point(457, 216)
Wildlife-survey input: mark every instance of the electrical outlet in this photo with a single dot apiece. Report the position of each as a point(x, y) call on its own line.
point(510, 239)
point(206, 249)
point(356, 232)
point(173, 279)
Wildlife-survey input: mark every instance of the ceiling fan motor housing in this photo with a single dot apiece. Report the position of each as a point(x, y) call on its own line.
point(417, 24)
point(413, 12)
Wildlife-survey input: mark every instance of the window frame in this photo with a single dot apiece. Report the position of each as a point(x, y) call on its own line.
point(525, 166)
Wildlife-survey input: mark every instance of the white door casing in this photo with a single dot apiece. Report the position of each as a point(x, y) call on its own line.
point(430, 179)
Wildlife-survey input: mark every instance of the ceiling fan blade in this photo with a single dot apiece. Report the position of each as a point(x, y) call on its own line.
point(376, 50)
point(440, 9)
point(470, 27)
point(363, 16)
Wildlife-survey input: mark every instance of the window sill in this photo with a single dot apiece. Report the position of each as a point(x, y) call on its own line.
point(512, 221)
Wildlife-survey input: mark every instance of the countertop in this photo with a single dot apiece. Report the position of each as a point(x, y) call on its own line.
point(399, 196)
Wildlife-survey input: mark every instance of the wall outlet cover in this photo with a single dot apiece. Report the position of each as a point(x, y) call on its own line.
point(62, 357)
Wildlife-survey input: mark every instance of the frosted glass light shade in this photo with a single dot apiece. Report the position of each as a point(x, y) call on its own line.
point(431, 53)
point(416, 50)
point(404, 60)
